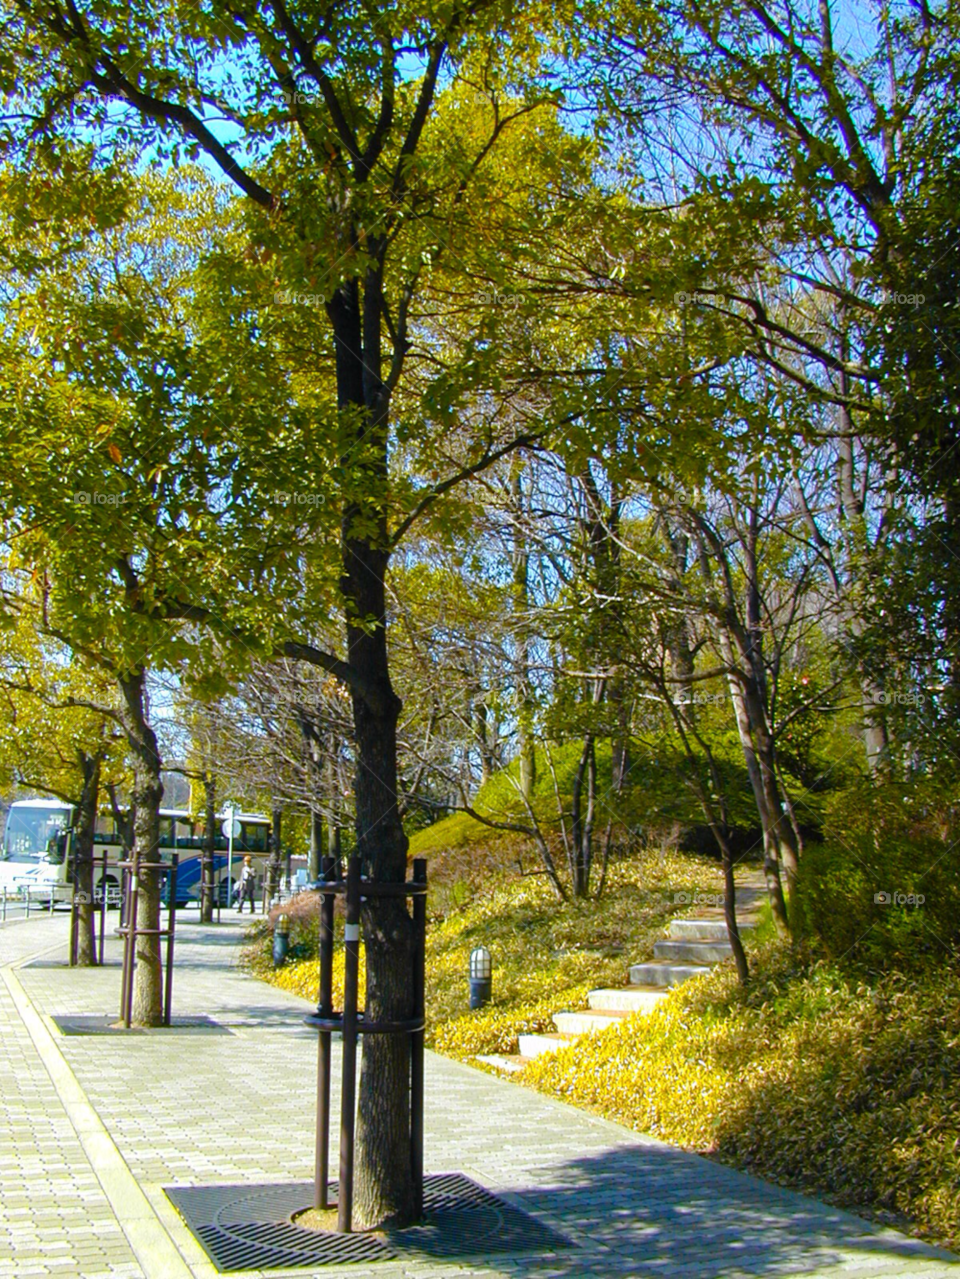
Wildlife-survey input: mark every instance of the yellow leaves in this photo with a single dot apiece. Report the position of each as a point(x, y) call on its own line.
point(812, 1090)
point(114, 452)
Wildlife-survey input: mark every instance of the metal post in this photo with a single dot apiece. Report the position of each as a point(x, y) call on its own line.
point(72, 875)
point(416, 1039)
point(171, 928)
point(4, 903)
point(351, 937)
point(230, 857)
point(325, 1009)
point(130, 944)
point(103, 907)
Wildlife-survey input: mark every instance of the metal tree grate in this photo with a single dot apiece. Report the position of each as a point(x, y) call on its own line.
point(107, 1024)
point(250, 1227)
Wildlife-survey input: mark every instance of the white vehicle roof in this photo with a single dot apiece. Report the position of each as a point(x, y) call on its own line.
point(41, 803)
point(240, 817)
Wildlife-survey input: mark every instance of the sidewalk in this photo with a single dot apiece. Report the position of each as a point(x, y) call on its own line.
point(92, 1127)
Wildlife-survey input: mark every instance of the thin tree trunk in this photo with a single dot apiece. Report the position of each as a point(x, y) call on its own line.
point(271, 887)
point(730, 904)
point(521, 608)
point(334, 844)
point(383, 1189)
point(83, 852)
point(316, 845)
point(771, 847)
point(147, 797)
point(581, 819)
point(209, 847)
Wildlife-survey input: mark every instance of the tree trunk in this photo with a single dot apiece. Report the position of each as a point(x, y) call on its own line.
point(334, 849)
point(730, 904)
point(147, 797)
point(521, 606)
point(875, 738)
point(83, 853)
point(316, 845)
point(581, 819)
point(771, 847)
point(208, 884)
point(271, 887)
point(382, 1191)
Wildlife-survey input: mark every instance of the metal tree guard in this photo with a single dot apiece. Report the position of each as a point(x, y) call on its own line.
point(101, 906)
point(130, 931)
point(352, 1022)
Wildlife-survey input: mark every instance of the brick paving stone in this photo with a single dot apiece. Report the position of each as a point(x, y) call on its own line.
point(48, 1183)
point(239, 1107)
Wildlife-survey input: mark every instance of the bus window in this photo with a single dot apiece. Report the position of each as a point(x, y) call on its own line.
point(254, 837)
point(30, 827)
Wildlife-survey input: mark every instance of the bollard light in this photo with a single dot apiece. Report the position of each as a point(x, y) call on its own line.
point(481, 977)
point(281, 940)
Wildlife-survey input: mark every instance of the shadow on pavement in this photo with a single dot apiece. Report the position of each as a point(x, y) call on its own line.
point(651, 1210)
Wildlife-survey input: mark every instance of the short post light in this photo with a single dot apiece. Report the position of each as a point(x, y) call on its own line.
point(481, 977)
point(281, 940)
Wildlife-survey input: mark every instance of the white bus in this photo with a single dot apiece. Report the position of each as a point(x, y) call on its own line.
point(47, 873)
point(30, 826)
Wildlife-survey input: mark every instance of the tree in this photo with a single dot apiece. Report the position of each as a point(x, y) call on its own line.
point(349, 197)
point(60, 737)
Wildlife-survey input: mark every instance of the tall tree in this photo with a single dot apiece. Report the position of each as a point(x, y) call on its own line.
point(350, 195)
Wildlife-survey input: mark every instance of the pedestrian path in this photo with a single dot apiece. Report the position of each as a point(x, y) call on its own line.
point(94, 1126)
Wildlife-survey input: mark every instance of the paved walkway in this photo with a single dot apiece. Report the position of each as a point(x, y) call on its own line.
point(93, 1127)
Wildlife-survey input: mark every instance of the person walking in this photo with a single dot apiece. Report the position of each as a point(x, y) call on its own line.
point(247, 886)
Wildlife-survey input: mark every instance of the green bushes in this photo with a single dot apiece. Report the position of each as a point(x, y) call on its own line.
point(884, 888)
point(546, 956)
point(816, 1078)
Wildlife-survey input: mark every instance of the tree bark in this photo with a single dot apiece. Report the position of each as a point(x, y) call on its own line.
point(147, 797)
point(271, 887)
point(316, 845)
point(526, 707)
point(383, 1191)
point(83, 852)
point(208, 879)
point(583, 803)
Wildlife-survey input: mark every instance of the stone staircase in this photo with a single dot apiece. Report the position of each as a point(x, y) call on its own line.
point(692, 947)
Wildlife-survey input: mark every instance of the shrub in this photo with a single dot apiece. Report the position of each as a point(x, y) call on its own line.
point(817, 1078)
point(884, 887)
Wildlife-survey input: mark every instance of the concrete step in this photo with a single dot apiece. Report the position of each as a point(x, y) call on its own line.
point(664, 973)
point(509, 1065)
point(581, 1023)
point(692, 952)
point(631, 999)
point(703, 930)
point(536, 1045)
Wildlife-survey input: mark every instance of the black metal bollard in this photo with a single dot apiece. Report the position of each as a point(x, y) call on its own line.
point(481, 977)
point(281, 940)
